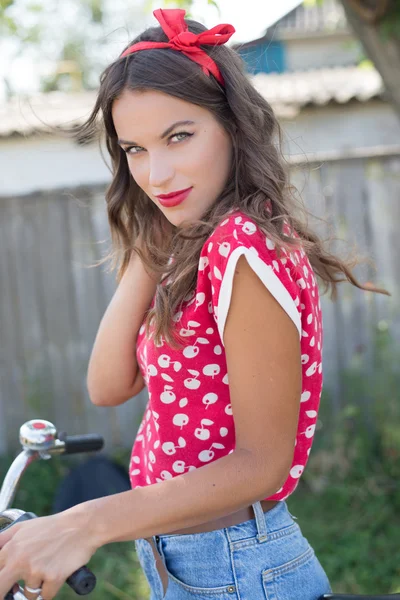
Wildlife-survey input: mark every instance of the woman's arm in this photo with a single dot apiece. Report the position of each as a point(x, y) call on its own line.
point(264, 366)
point(113, 375)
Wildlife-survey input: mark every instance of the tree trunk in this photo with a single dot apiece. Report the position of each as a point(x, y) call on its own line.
point(384, 53)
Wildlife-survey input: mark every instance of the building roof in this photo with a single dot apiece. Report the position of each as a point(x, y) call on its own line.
point(319, 87)
point(329, 16)
point(286, 92)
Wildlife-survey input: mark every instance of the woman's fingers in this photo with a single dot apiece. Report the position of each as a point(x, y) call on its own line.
point(33, 589)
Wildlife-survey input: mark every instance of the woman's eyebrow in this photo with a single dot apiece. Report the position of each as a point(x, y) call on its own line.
point(163, 135)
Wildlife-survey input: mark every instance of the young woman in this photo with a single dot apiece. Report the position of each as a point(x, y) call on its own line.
point(218, 313)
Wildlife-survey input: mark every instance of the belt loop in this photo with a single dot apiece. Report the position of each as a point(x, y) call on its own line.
point(260, 522)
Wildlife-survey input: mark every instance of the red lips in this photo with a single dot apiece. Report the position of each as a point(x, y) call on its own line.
point(175, 198)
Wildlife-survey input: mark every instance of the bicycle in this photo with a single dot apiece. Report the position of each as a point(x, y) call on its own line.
point(40, 440)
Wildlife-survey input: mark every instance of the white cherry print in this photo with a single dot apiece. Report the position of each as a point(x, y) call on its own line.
point(167, 377)
point(207, 455)
point(309, 432)
point(200, 432)
point(203, 263)
point(304, 333)
point(304, 359)
point(223, 431)
point(312, 369)
point(156, 444)
point(167, 397)
point(296, 471)
point(217, 349)
point(305, 396)
point(210, 307)
point(152, 370)
point(309, 318)
point(210, 398)
point(211, 370)
point(311, 413)
point(152, 457)
point(320, 368)
point(238, 220)
point(312, 341)
point(169, 447)
point(192, 383)
point(140, 438)
point(249, 228)
point(135, 472)
point(224, 222)
point(200, 299)
point(164, 360)
point(210, 247)
point(210, 331)
point(166, 475)
point(235, 235)
point(179, 466)
point(135, 459)
point(224, 249)
point(276, 265)
point(186, 332)
point(228, 409)
point(301, 283)
point(148, 480)
point(217, 273)
point(226, 379)
point(177, 316)
point(192, 351)
point(180, 420)
point(271, 246)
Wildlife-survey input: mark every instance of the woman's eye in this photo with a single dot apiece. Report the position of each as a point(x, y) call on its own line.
point(137, 149)
point(181, 133)
point(128, 150)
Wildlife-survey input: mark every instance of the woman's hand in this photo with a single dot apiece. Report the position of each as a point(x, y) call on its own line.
point(43, 552)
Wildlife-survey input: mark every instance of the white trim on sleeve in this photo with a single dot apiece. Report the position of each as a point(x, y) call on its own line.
point(269, 279)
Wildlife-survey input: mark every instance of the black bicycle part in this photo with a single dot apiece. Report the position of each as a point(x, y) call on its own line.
point(75, 444)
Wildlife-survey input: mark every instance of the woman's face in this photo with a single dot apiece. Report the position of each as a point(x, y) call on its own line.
point(165, 155)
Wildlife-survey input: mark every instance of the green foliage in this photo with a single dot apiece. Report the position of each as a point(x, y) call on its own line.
point(348, 499)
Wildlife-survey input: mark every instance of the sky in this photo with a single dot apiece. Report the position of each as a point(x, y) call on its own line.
point(249, 17)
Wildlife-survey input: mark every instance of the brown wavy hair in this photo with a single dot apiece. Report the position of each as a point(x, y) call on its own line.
point(259, 173)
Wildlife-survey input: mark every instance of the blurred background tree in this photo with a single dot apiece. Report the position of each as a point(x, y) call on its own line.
point(377, 25)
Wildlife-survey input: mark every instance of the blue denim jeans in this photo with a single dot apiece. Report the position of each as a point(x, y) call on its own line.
point(265, 558)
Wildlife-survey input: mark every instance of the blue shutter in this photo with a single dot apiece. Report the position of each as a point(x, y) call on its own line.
point(266, 57)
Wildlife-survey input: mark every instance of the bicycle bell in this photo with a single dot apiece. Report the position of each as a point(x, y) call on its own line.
point(38, 434)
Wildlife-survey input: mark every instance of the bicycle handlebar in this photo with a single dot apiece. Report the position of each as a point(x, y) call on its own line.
point(74, 444)
point(40, 439)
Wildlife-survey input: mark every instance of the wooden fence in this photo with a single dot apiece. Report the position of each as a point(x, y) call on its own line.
point(51, 301)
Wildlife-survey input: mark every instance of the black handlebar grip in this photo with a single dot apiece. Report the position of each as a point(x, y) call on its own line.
point(83, 581)
point(89, 442)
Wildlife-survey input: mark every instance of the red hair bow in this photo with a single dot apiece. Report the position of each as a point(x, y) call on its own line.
point(173, 23)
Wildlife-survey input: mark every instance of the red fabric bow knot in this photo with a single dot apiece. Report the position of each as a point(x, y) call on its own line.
point(173, 23)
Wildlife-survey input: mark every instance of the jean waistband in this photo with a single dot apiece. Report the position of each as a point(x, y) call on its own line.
point(263, 523)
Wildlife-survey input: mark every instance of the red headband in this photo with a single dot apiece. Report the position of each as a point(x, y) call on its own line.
point(180, 38)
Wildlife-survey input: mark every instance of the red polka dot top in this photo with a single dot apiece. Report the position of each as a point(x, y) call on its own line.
point(188, 421)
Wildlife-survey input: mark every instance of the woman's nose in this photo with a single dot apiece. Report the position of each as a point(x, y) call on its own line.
point(161, 172)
